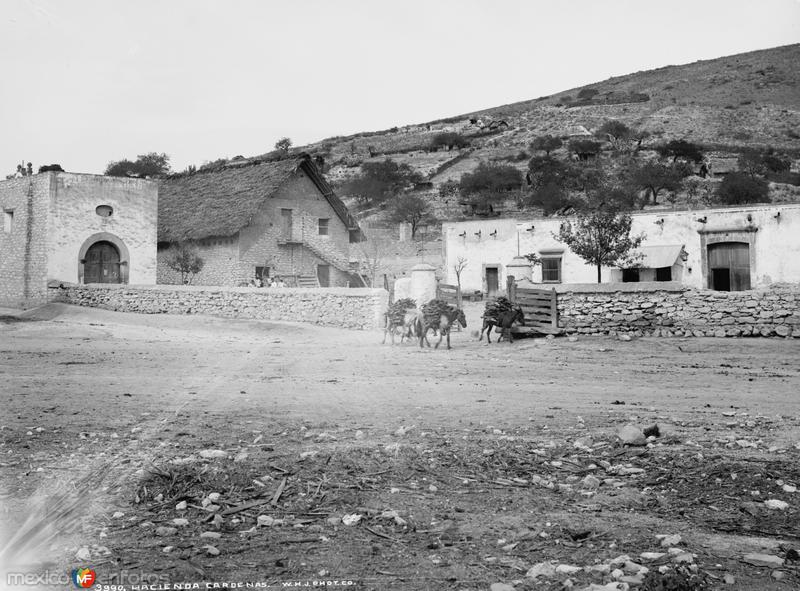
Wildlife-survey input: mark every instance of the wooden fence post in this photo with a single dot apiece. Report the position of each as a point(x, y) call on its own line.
point(553, 309)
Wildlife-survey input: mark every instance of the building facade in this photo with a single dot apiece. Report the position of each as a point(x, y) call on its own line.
point(725, 249)
point(262, 220)
point(75, 228)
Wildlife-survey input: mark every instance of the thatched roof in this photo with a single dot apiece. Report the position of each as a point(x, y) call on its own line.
point(222, 202)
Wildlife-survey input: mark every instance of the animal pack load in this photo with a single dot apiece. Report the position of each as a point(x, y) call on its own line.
point(397, 310)
point(501, 313)
point(400, 314)
point(439, 315)
point(496, 308)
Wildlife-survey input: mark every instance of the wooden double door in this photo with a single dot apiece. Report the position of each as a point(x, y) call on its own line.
point(729, 266)
point(102, 264)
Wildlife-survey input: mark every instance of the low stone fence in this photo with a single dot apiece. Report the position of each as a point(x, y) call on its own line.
point(360, 309)
point(655, 309)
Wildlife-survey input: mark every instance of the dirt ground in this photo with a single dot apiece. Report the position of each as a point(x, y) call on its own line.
point(454, 469)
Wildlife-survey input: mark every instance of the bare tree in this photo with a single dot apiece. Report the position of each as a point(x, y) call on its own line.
point(458, 267)
point(372, 254)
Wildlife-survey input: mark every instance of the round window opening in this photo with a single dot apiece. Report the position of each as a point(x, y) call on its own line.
point(104, 211)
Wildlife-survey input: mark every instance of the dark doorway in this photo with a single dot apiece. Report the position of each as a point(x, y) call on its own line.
point(324, 275)
point(492, 281)
point(630, 275)
point(102, 264)
point(664, 274)
point(729, 266)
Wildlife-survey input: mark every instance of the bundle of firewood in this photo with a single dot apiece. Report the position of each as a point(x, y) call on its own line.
point(434, 309)
point(496, 308)
point(397, 310)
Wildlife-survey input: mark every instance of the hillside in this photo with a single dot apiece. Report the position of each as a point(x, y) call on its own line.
point(750, 100)
point(725, 105)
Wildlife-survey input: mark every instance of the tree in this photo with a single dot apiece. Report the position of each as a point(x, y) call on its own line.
point(682, 149)
point(490, 183)
point(380, 181)
point(546, 143)
point(372, 254)
point(550, 197)
point(584, 148)
point(655, 177)
point(601, 238)
point(184, 259)
point(776, 163)
point(545, 170)
point(739, 187)
point(615, 132)
point(151, 164)
point(410, 209)
point(283, 145)
point(449, 140)
point(51, 168)
point(459, 266)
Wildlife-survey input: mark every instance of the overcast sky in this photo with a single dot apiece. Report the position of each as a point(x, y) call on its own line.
point(86, 82)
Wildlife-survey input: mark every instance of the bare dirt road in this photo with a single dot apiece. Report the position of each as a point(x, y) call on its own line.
point(455, 469)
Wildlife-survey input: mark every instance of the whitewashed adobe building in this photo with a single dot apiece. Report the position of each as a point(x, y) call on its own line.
point(726, 249)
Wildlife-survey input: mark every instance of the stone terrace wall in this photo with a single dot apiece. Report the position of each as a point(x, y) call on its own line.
point(360, 309)
point(653, 310)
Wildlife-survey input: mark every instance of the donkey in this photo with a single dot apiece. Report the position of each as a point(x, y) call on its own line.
point(443, 322)
point(406, 325)
point(504, 321)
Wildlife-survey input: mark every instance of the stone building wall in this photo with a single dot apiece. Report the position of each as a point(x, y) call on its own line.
point(24, 240)
point(221, 265)
point(261, 242)
point(232, 260)
point(75, 224)
point(360, 309)
point(654, 311)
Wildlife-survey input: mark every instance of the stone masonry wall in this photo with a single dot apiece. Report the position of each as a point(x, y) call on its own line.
point(24, 240)
point(360, 309)
point(768, 312)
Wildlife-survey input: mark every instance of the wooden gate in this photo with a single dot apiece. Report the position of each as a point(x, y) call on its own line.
point(448, 293)
point(540, 307)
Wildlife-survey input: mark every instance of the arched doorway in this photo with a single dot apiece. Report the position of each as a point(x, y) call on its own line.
point(729, 266)
point(102, 264)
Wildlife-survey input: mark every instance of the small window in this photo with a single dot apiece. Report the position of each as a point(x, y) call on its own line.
point(664, 274)
point(630, 275)
point(8, 220)
point(262, 273)
point(323, 226)
point(104, 211)
point(551, 269)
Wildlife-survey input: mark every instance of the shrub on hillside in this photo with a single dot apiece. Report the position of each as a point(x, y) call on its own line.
point(490, 183)
point(584, 148)
point(682, 149)
point(546, 143)
point(739, 187)
point(449, 140)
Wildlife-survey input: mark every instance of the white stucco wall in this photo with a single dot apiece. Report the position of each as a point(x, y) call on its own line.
point(72, 221)
point(775, 253)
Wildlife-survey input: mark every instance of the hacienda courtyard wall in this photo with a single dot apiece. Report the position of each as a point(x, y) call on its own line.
point(673, 310)
point(355, 308)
